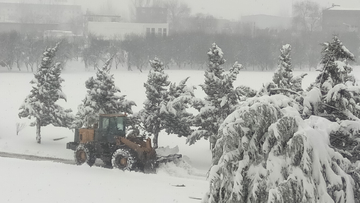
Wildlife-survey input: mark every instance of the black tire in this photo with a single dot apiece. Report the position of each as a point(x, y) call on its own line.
point(107, 161)
point(84, 153)
point(124, 159)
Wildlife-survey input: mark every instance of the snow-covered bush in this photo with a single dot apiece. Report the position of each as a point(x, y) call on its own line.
point(245, 92)
point(166, 104)
point(221, 97)
point(267, 153)
point(46, 90)
point(101, 98)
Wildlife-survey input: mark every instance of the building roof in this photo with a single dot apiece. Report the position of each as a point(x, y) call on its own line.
point(343, 9)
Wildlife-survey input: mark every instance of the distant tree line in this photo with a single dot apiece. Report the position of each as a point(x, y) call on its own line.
point(178, 50)
point(25, 50)
point(184, 47)
point(255, 52)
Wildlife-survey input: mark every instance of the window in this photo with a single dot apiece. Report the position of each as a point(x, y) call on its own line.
point(105, 123)
point(164, 32)
point(120, 123)
point(152, 30)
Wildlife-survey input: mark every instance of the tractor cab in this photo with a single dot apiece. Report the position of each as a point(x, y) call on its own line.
point(110, 125)
point(114, 124)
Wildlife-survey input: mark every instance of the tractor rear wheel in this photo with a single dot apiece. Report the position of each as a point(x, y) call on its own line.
point(84, 153)
point(124, 159)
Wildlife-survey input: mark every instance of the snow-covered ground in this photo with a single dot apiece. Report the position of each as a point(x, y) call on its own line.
point(29, 181)
point(41, 181)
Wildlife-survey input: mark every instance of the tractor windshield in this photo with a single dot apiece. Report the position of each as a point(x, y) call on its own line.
point(114, 125)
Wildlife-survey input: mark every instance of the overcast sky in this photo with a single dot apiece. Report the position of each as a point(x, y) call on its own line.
point(229, 9)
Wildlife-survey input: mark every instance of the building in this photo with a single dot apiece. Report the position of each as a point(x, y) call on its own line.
point(111, 27)
point(338, 20)
point(102, 18)
point(119, 30)
point(31, 17)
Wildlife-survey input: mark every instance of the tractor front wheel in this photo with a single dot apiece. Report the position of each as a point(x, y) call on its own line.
point(84, 153)
point(124, 159)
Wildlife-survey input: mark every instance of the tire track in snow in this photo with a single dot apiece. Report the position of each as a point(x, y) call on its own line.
point(36, 158)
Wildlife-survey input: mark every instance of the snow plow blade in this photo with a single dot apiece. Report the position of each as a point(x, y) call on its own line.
point(169, 158)
point(151, 165)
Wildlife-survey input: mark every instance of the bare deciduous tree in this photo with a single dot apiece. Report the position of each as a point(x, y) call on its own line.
point(176, 11)
point(142, 3)
point(306, 16)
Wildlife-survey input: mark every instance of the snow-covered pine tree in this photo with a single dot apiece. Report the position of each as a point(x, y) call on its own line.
point(221, 97)
point(283, 73)
point(46, 90)
point(336, 96)
point(174, 109)
point(335, 84)
point(156, 93)
point(102, 98)
point(166, 105)
point(267, 153)
point(283, 77)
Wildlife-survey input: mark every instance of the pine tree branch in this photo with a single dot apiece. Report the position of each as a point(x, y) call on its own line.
point(341, 138)
point(347, 114)
point(331, 107)
point(323, 71)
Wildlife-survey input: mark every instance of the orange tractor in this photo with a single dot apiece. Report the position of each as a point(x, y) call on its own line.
point(108, 141)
